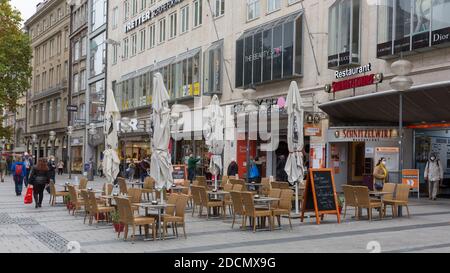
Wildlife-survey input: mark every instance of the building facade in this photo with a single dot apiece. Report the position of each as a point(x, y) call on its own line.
point(49, 32)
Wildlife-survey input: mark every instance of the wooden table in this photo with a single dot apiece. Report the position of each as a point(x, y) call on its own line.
point(267, 200)
point(136, 184)
point(178, 188)
point(159, 207)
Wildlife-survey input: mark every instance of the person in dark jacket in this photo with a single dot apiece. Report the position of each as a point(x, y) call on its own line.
point(192, 165)
point(19, 172)
point(233, 168)
point(40, 178)
point(281, 173)
point(52, 167)
point(144, 167)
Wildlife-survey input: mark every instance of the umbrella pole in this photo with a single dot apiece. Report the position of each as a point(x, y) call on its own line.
point(296, 198)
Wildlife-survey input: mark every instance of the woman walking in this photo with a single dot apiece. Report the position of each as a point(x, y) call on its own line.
point(380, 174)
point(40, 178)
point(60, 167)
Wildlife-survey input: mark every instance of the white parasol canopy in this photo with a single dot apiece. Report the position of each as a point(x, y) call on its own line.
point(111, 161)
point(294, 164)
point(214, 136)
point(161, 166)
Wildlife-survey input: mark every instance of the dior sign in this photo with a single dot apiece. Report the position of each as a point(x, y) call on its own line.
point(150, 14)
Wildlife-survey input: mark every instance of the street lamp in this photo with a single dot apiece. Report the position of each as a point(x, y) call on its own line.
point(69, 150)
point(34, 140)
point(52, 137)
point(125, 126)
point(250, 106)
point(401, 83)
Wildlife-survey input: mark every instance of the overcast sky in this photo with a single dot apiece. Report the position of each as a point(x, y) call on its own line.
point(26, 7)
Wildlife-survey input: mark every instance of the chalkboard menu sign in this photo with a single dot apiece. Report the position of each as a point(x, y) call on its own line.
point(179, 174)
point(320, 194)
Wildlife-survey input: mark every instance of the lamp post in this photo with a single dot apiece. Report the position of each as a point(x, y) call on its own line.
point(401, 83)
point(69, 149)
point(52, 137)
point(34, 140)
point(250, 106)
point(124, 127)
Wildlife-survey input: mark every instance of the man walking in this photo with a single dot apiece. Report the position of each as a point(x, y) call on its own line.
point(28, 161)
point(19, 171)
point(434, 173)
point(3, 166)
point(192, 165)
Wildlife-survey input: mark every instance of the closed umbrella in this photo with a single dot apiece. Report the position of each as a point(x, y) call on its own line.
point(111, 160)
point(161, 166)
point(294, 164)
point(214, 136)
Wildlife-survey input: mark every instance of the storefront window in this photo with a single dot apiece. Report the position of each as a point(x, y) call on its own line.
point(97, 101)
point(412, 22)
point(213, 69)
point(344, 27)
point(98, 55)
point(269, 53)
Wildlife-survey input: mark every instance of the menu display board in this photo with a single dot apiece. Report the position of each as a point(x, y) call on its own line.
point(179, 174)
point(320, 194)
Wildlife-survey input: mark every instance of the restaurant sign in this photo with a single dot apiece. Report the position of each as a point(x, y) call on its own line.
point(354, 83)
point(150, 14)
point(361, 134)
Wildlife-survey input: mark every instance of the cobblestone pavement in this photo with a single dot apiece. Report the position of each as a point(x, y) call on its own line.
point(49, 229)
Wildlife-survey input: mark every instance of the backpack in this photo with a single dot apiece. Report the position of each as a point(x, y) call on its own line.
point(19, 170)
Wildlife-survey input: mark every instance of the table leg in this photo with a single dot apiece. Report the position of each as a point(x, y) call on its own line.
point(159, 219)
point(400, 211)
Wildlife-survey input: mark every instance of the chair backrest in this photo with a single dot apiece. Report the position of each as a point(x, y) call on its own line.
point(238, 205)
point(225, 179)
point(389, 187)
point(172, 200)
point(93, 206)
point(186, 184)
point(237, 181)
point(180, 206)
point(149, 183)
point(158, 194)
point(107, 188)
point(275, 193)
point(203, 195)
point(227, 187)
point(402, 192)
point(87, 205)
point(265, 186)
point(201, 183)
point(73, 194)
point(135, 195)
point(124, 208)
point(362, 195)
point(122, 185)
point(247, 200)
point(52, 188)
point(83, 183)
point(201, 179)
point(280, 185)
point(286, 199)
point(238, 187)
point(195, 191)
point(349, 195)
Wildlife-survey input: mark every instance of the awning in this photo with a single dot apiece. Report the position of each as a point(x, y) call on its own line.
point(423, 103)
point(164, 63)
point(188, 54)
point(271, 24)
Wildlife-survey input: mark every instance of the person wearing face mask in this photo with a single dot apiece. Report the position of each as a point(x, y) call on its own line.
point(434, 173)
point(380, 174)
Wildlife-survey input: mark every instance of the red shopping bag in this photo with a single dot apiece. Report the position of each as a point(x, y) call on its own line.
point(29, 196)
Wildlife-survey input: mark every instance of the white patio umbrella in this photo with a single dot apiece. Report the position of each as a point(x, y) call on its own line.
point(111, 160)
point(161, 166)
point(294, 164)
point(214, 136)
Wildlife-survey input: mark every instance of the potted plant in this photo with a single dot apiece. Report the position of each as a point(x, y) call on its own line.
point(341, 201)
point(69, 204)
point(118, 227)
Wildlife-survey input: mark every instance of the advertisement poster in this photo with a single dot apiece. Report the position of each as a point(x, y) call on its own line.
point(317, 156)
point(411, 178)
point(335, 159)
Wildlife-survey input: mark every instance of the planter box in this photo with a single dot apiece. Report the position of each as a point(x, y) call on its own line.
point(69, 205)
point(119, 227)
point(101, 217)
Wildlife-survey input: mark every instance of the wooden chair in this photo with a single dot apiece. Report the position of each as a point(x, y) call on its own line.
point(225, 180)
point(187, 190)
point(209, 203)
point(238, 207)
point(265, 186)
point(178, 218)
point(95, 209)
point(275, 193)
point(350, 199)
point(401, 199)
point(251, 212)
point(280, 185)
point(107, 188)
point(77, 202)
point(54, 193)
point(83, 183)
point(135, 196)
point(87, 208)
point(364, 201)
point(149, 187)
point(196, 200)
point(234, 181)
point(238, 187)
point(389, 187)
point(158, 194)
point(200, 182)
point(122, 185)
point(284, 206)
point(227, 197)
point(127, 218)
